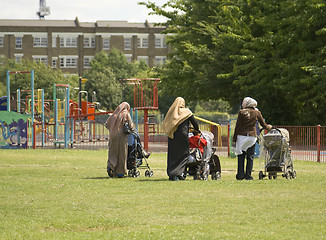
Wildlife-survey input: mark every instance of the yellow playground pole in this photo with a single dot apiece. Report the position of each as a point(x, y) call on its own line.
point(219, 129)
point(39, 101)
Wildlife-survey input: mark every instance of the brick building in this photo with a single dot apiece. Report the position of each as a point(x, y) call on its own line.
point(70, 45)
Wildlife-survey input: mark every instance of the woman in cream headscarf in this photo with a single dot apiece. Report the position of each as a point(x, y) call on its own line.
point(245, 136)
point(176, 126)
point(118, 148)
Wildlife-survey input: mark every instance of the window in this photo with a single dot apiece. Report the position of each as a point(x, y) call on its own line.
point(40, 59)
point(143, 58)
point(160, 42)
point(18, 57)
point(89, 42)
point(87, 61)
point(142, 42)
point(54, 42)
point(127, 42)
point(128, 57)
point(68, 62)
point(54, 62)
point(159, 60)
point(68, 42)
point(40, 42)
point(106, 43)
point(19, 42)
point(1, 41)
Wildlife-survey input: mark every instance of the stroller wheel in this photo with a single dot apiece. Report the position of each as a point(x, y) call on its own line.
point(272, 175)
point(197, 176)
point(148, 173)
point(129, 173)
point(294, 174)
point(288, 174)
point(216, 175)
point(261, 175)
point(136, 174)
point(213, 176)
point(204, 176)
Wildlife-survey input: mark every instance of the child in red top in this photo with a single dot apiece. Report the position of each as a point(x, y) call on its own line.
point(194, 141)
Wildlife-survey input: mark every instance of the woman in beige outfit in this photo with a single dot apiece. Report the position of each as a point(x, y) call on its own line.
point(118, 148)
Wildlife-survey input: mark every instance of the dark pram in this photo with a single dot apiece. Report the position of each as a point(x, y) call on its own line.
point(276, 153)
point(135, 157)
point(200, 166)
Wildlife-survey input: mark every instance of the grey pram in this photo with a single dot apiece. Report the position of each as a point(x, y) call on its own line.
point(276, 153)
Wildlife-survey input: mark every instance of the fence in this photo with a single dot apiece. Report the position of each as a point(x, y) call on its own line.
point(88, 132)
point(307, 142)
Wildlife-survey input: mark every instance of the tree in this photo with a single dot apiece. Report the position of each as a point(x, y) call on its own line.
point(206, 37)
point(231, 49)
point(105, 75)
point(284, 41)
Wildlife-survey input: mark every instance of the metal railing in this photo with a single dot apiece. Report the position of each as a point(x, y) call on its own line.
point(307, 142)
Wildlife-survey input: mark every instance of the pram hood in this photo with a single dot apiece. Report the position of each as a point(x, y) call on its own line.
point(277, 133)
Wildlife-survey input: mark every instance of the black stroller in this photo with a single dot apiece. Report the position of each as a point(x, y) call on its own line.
point(277, 154)
point(135, 157)
point(200, 166)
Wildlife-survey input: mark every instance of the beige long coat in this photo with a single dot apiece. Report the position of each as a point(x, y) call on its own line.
point(118, 148)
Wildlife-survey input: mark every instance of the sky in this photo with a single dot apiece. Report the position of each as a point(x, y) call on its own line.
point(85, 10)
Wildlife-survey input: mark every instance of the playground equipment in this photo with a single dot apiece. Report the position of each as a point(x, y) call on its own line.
point(145, 98)
point(31, 115)
point(31, 103)
point(61, 113)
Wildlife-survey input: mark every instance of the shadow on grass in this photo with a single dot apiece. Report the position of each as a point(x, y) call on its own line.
point(138, 180)
point(153, 180)
point(96, 178)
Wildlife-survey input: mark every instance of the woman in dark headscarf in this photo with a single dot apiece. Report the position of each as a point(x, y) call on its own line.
point(245, 136)
point(118, 148)
point(176, 126)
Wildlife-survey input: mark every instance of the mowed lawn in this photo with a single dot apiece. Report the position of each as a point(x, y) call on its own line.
point(66, 194)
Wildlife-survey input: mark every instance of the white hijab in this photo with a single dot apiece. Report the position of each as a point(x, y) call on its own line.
point(249, 102)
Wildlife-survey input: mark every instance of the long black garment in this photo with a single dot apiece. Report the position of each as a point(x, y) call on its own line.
point(178, 148)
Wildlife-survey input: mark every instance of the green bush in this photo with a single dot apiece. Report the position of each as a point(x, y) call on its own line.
point(213, 116)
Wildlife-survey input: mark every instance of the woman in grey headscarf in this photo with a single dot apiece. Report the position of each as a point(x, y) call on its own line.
point(245, 136)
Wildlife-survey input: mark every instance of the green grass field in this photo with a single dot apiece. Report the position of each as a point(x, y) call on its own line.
point(66, 194)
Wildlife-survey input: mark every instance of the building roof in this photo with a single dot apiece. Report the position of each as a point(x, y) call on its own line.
point(70, 23)
point(36, 23)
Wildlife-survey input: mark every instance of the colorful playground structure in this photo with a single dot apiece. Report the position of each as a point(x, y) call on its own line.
point(65, 122)
point(28, 120)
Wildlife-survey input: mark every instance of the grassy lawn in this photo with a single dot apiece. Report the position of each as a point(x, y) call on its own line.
point(66, 194)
